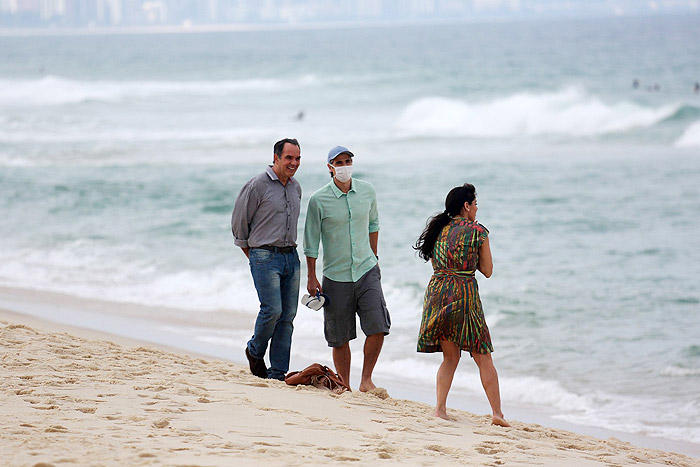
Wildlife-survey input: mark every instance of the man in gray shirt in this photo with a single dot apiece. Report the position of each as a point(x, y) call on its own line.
point(264, 225)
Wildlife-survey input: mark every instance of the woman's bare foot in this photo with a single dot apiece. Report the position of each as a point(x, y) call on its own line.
point(499, 421)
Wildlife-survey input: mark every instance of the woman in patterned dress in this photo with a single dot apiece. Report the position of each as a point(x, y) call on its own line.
point(453, 320)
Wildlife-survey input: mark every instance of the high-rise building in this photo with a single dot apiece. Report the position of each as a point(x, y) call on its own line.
point(107, 13)
point(52, 9)
point(28, 6)
point(8, 6)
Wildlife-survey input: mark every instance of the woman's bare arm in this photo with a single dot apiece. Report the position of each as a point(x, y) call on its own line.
point(485, 260)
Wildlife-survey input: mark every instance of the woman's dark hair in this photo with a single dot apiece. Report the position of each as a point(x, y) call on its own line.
point(279, 146)
point(453, 206)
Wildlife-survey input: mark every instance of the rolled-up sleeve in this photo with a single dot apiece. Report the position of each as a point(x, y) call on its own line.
point(312, 229)
point(373, 214)
point(243, 211)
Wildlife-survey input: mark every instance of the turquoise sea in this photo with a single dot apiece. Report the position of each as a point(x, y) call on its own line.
point(121, 157)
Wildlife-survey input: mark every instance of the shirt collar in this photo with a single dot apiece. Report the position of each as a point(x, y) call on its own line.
point(338, 192)
point(271, 173)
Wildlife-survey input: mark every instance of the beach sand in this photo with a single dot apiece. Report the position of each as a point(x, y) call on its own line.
point(73, 398)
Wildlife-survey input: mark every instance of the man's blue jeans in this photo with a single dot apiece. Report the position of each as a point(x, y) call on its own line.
point(276, 278)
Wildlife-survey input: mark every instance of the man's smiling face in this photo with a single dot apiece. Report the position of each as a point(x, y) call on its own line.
point(287, 164)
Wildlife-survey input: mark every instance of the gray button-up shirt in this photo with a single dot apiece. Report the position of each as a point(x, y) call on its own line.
point(266, 212)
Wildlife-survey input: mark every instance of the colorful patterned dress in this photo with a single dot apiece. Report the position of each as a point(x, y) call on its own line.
point(452, 308)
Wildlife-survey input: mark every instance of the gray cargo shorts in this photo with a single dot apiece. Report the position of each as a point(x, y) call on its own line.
point(363, 298)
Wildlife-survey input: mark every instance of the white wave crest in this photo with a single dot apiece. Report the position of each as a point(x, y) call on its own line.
point(570, 111)
point(603, 409)
point(239, 136)
point(85, 270)
point(690, 137)
point(55, 90)
point(674, 370)
point(535, 391)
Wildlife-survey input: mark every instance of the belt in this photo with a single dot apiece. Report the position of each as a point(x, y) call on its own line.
point(452, 273)
point(277, 249)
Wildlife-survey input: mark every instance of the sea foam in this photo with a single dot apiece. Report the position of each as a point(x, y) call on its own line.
point(677, 371)
point(89, 273)
point(690, 137)
point(569, 111)
point(55, 90)
point(234, 136)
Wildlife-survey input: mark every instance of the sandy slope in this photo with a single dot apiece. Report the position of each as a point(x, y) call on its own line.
point(69, 400)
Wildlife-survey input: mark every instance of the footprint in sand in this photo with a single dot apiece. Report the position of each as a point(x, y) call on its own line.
point(56, 429)
point(45, 407)
point(444, 449)
point(379, 392)
point(257, 385)
point(403, 429)
point(386, 451)
point(191, 428)
point(162, 423)
point(491, 447)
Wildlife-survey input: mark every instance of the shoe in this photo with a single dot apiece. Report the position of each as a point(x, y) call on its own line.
point(315, 302)
point(257, 365)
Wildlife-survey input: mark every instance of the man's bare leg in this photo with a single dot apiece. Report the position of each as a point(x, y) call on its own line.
point(341, 360)
point(373, 345)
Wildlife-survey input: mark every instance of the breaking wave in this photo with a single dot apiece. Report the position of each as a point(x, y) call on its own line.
point(570, 111)
point(55, 90)
point(690, 137)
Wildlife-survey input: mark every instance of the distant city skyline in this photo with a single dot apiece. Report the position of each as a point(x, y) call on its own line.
point(192, 13)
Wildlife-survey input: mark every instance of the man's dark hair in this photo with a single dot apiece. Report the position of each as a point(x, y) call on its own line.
point(279, 146)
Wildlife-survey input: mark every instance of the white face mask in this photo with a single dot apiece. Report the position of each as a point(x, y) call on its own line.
point(343, 173)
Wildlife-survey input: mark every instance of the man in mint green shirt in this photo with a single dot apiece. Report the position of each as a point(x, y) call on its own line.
point(343, 217)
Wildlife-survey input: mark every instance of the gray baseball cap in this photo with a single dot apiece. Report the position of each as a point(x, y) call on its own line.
point(338, 150)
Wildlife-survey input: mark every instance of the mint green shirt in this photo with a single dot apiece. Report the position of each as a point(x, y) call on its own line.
point(343, 223)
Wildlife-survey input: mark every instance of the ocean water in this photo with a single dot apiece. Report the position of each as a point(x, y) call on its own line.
point(121, 157)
